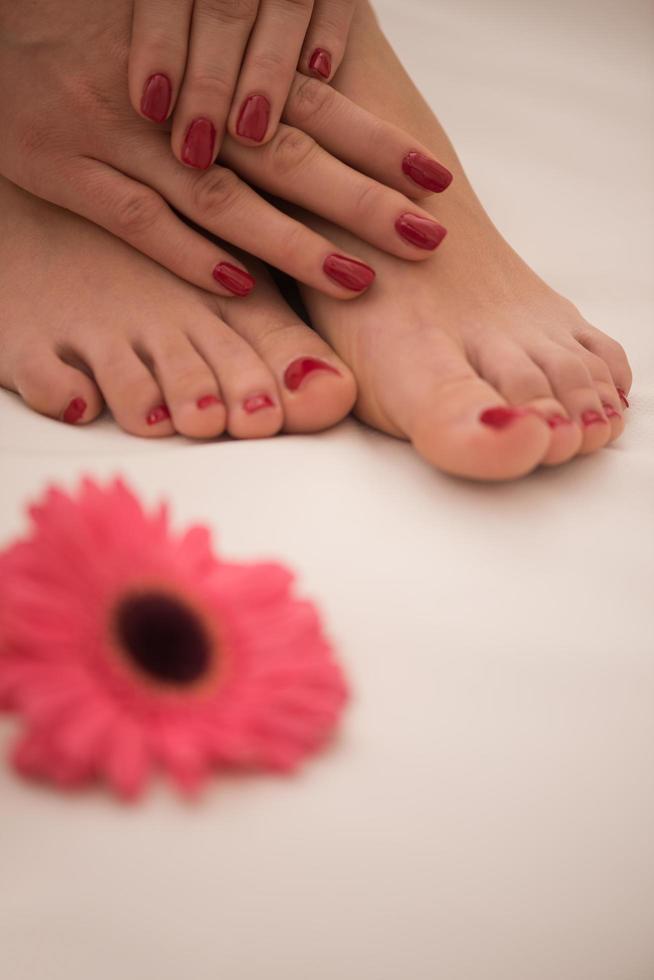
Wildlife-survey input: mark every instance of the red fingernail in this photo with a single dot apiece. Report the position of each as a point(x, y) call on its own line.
point(610, 411)
point(623, 397)
point(297, 371)
point(500, 416)
point(75, 411)
point(155, 102)
point(256, 402)
point(420, 231)
point(158, 414)
point(554, 421)
point(354, 275)
point(253, 119)
point(426, 172)
point(321, 63)
point(207, 400)
point(591, 417)
point(198, 144)
point(238, 281)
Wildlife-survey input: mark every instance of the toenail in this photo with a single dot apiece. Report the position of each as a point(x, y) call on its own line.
point(320, 63)
point(158, 414)
point(238, 281)
point(623, 397)
point(554, 421)
point(207, 400)
point(199, 143)
point(500, 416)
point(420, 231)
point(256, 402)
point(297, 371)
point(156, 97)
point(75, 411)
point(610, 411)
point(591, 417)
point(426, 172)
point(347, 272)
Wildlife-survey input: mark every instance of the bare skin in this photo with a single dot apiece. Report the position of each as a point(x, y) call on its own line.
point(435, 346)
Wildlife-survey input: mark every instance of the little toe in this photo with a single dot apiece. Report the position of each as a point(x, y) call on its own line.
point(612, 353)
point(130, 390)
point(56, 389)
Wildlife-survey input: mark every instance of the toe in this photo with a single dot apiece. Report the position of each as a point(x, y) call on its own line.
point(566, 435)
point(130, 390)
point(611, 353)
point(56, 389)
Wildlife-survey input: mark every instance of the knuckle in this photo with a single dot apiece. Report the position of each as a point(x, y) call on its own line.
point(369, 199)
point(310, 99)
point(137, 212)
point(268, 62)
point(293, 246)
point(216, 191)
point(291, 150)
point(227, 11)
point(210, 77)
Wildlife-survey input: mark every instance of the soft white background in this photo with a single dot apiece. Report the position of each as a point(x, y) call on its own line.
point(488, 811)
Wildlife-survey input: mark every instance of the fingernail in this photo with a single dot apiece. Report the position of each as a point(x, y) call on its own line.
point(610, 411)
point(426, 172)
point(554, 421)
point(75, 411)
point(207, 400)
point(253, 119)
point(591, 417)
point(321, 63)
point(198, 144)
point(297, 371)
point(500, 416)
point(158, 414)
point(420, 231)
point(354, 275)
point(623, 397)
point(155, 102)
point(238, 281)
point(256, 402)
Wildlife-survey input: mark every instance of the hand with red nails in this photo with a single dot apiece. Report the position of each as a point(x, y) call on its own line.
point(220, 66)
point(71, 137)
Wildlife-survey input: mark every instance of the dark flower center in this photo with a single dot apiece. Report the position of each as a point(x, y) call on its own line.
point(164, 637)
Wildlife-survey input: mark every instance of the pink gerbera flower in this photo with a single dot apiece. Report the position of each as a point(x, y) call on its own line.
point(127, 649)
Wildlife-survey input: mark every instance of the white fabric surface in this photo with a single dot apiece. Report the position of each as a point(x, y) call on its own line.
point(488, 811)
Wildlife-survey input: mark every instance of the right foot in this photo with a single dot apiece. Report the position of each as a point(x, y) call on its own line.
point(86, 320)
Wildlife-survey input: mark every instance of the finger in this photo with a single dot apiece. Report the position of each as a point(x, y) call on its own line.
point(139, 216)
point(157, 55)
point(326, 39)
point(292, 166)
point(224, 204)
point(219, 36)
point(363, 140)
point(269, 68)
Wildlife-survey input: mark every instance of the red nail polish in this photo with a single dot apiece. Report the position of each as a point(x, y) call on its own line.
point(256, 402)
point(158, 414)
point(426, 172)
point(75, 411)
point(207, 400)
point(155, 102)
point(623, 397)
point(500, 416)
point(199, 143)
point(554, 421)
point(321, 63)
point(238, 281)
point(610, 411)
point(297, 371)
point(591, 417)
point(420, 231)
point(253, 119)
point(354, 275)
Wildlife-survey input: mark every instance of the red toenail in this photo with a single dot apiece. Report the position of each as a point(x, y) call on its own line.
point(591, 417)
point(256, 402)
point(207, 400)
point(420, 231)
point(623, 397)
point(426, 172)
point(500, 416)
point(610, 411)
point(199, 142)
point(238, 281)
point(158, 414)
point(321, 63)
point(347, 272)
point(156, 97)
point(297, 371)
point(554, 421)
point(75, 411)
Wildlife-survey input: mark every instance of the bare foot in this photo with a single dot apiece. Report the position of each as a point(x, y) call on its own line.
point(86, 320)
point(471, 356)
